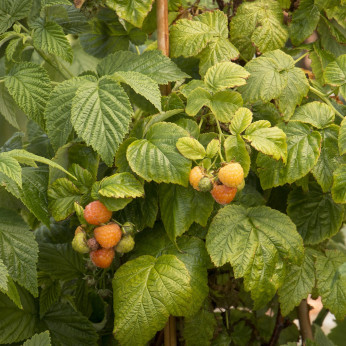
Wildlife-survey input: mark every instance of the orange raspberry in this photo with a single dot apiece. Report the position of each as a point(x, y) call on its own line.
point(196, 175)
point(231, 175)
point(108, 236)
point(223, 194)
point(102, 258)
point(96, 213)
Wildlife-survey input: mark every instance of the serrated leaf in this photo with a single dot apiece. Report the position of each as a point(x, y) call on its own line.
point(320, 58)
point(188, 88)
point(11, 11)
point(213, 148)
point(120, 185)
point(62, 195)
point(141, 84)
point(58, 110)
point(240, 121)
point(181, 207)
point(335, 74)
point(316, 215)
point(191, 148)
point(329, 159)
point(258, 250)
point(331, 281)
point(225, 75)
point(49, 295)
point(342, 138)
point(164, 289)
point(106, 104)
point(303, 151)
point(133, 11)
point(156, 157)
point(316, 113)
point(235, 149)
point(42, 339)
point(29, 85)
point(151, 63)
point(60, 261)
point(270, 141)
point(50, 37)
point(196, 99)
point(66, 324)
point(12, 293)
point(11, 168)
point(339, 184)
point(17, 324)
point(299, 282)
point(8, 108)
point(3, 276)
point(114, 204)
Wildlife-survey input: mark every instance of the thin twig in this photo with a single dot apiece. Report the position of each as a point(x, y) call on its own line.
point(304, 321)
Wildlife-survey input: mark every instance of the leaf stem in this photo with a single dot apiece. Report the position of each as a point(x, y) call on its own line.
point(138, 52)
point(221, 136)
point(326, 100)
point(23, 27)
point(301, 57)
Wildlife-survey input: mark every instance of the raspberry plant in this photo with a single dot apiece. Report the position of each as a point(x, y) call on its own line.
point(257, 85)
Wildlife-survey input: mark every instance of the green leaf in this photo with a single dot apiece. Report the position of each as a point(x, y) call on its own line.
point(316, 113)
point(11, 11)
point(235, 149)
point(329, 159)
point(8, 108)
point(299, 282)
point(331, 281)
point(49, 295)
point(342, 138)
point(316, 215)
point(225, 75)
point(58, 110)
point(66, 324)
point(156, 157)
point(120, 185)
point(11, 168)
point(50, 37)
point(181, 207)
point(258, 23)
point(62, 195)
point(303, 151)
point(224, 103)
point(320, 58)
point(60, 261)
point(257, 249)
point(42, 339)
point(3, 276)
point(339, 184)
point(241, 120)
point(196, 99)
point(268, 77)
point(17, 324)
point(151, 63)
point(335, 74)
point(304, 21)
point(268, 140)
point(191, 148)
point(213, 148)
point(106, 104)
point(337, 334)
point(133, 11)
point(29, 85)
point(146, 291)
point(18, 250)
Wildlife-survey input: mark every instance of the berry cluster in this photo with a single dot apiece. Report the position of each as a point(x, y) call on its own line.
point(223, 184)
point(107, 238)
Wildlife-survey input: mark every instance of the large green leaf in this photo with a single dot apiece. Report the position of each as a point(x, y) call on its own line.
point(157, 158)
point(8, 107)
point(316, 113)
point(303, 150)
point(151, 63)
point(17, 324)
point(58, 110)
point(298, 283)
point(339, 184)
point(335, 74)
point(342, 137)
point(101, 114)
point(49, 295)
point(11, 168)
point(241, 120)
point(320, 58)
point(259, 243)
point(191, 148)
point(258, 23)
point(3, 277)
point(18, 250)
point(133, 11)
point(11, 11)
point(29, 85)
point(146, 291)
point(331, 281)
point(315, 213)
point(268, 140)
point(50, 37)
point(42, 339)
point(304, 21)
point(181, 207)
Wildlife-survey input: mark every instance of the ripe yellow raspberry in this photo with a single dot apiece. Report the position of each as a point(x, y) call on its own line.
point(231, 175)
point(196, 175)
point(223, 194)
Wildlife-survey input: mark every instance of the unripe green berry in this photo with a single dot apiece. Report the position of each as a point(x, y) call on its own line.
point(205, 184)
point(125, 245)
point(128, 228)
point(79, 243)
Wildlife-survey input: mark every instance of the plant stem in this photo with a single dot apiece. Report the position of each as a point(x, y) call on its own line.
point(23, 27)
point(279, 326)
point(220, 139)
point(326, 100)
point(301, 57)
point(138, 52)
point(304, 321)
point(321, 316)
